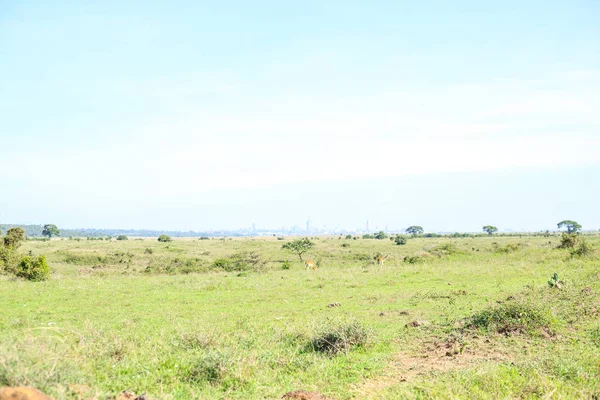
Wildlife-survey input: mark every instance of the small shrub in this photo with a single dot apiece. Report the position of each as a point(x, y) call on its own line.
point(244, 261)
point(286, 265)
point(148, 250)
point(582, 250)
point(348, 237)
point(122, 237)
point(345, 244)
point(513, 317)
point(280, 238)
point(341, 336)
point(165, 238)
point(204, 238)
point(361, 257)
point(33, 268)
point(417, 259)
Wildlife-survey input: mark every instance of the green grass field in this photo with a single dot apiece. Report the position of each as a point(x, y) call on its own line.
point(475, 319)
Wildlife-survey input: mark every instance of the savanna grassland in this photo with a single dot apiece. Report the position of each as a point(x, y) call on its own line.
point(458, 318)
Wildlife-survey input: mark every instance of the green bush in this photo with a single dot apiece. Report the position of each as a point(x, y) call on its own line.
point(348, 237)
point(244, 261)
point(345, 244)
point(400, 240)
point(33, 268)
point(122, 237)
point(165, 238)
point(513, 317)
point(286, 265)
point(14, 237)
point(8, 260)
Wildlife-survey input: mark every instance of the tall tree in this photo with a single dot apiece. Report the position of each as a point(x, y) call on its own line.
point(571, 226)
point(299, 246)
point(415, 230)
point(489, 229)
point(50, 230)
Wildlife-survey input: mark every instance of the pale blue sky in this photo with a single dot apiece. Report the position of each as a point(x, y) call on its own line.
point(196, 115)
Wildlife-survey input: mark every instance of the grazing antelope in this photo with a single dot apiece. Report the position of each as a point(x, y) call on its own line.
point(310, 264)
point(380, 259)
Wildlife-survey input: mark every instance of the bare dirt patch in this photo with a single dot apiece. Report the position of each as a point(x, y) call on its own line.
point(433, 356)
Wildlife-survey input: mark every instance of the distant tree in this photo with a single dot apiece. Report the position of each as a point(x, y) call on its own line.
point(122, 237)
point(415, 230)
point(489, 229)
point(367, 236)
point(400, 240)
point(572, 226)
point(165, 238)
point(299, 246)
point(380, 235)
point(14, 237)
point(348, 236)
point(50, 230)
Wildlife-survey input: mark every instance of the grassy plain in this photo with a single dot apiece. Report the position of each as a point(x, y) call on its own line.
point(155, 318)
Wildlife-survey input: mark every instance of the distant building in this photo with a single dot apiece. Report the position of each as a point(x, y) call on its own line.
point(308, 225)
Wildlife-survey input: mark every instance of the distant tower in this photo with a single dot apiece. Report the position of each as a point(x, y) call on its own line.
point(367, 226)
point(308, 227)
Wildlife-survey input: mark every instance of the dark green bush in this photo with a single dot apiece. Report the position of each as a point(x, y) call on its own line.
point(33, 268)
point(122, 237)
point(400, 240)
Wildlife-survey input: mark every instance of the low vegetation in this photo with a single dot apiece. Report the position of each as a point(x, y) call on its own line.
point(443, 317)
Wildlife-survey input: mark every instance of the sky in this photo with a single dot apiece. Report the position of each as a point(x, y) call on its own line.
point(194, 115)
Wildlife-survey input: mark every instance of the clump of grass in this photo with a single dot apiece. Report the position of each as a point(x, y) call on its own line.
point(509, 248)
point(197, 340)
point(595, 336)
point(417, 259)
point(513, 317)
point(445, 250)
point(216, 368)
point(336, 337)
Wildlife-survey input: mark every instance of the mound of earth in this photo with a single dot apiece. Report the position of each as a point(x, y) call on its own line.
point(22, 393)
point(303, 395)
